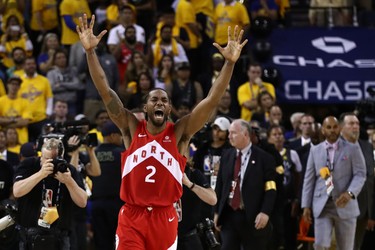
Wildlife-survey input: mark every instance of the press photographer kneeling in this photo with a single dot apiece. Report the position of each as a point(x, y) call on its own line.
point(46, 193)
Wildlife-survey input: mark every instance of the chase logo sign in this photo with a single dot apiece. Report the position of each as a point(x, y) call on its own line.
point(333, 44)
point(322, 65)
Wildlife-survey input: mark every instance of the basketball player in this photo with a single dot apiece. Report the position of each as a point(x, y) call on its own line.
point(153, 164)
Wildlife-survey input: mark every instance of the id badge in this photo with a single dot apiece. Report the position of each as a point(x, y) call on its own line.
point(213, 182)
point(231, 194)
point(329, 185)
point(48, 215)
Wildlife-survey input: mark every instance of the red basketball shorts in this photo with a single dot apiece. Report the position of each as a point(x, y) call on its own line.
point(151, 228)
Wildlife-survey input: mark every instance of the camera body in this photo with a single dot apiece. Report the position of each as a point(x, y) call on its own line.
point(205, 230)
point(64, 131)
point(60, 165)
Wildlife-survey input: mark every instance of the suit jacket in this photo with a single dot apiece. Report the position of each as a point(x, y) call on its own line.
point(303, 154)
point(260, 169)
point(295, 144)
point(366, 196)
point(349, 174)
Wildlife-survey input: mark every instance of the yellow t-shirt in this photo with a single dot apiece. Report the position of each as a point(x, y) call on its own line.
point(76, 9)
point(203, 6)
point(19, 72)
point(112, 12)
point(245, 93)
point(11, 10)
point(15, 149)
point(2, 88)
point(175, 30)
point(9, 46)
point(185, 14)
point(229, 15)
point(36, 90)
point(48, 9)
point(18, 107)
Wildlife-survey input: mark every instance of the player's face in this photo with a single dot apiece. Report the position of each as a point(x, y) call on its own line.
point(158, 107)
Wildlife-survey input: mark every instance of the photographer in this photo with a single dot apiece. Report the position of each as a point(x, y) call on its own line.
point(196, 190)
point(87, 165)
point(47, 187)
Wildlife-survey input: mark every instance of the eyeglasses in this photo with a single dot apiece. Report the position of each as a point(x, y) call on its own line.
point(307, 123)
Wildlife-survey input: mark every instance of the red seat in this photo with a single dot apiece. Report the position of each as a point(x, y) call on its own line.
point(303, 231)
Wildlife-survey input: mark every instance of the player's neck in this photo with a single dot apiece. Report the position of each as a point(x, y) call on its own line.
point(154, 130)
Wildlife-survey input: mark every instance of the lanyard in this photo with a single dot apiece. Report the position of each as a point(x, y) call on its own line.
point(243, 163)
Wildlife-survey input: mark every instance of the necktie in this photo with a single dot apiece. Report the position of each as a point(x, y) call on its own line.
point(236, 200)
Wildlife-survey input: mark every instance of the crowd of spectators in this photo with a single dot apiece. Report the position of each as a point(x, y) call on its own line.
point(44, 77)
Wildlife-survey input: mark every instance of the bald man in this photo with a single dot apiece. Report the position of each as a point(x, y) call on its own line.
point(334, 177)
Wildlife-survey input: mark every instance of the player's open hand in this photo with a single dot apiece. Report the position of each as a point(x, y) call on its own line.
point(232, 51)
point(88, 39)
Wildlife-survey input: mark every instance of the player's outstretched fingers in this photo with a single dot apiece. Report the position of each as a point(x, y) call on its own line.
point(85, 21)
point(229, 34)
point(239, 38)
point(235, 33)
point(92, 22)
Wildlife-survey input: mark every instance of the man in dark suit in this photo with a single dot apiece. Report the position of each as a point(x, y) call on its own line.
point(306, 125)
point(350, 132)
point(246, 199)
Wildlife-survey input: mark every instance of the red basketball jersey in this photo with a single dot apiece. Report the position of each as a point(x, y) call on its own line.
point(152, 168)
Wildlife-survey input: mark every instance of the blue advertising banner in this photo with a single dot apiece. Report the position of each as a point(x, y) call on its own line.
point(322, 65)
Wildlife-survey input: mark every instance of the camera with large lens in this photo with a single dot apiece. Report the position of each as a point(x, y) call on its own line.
point(60, 165)
point(8, 210)
point(205, 230)
point(63, 131)
point(202, 136)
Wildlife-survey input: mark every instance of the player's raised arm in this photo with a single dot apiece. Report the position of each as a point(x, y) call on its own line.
point(203, 110)
point(119, 115)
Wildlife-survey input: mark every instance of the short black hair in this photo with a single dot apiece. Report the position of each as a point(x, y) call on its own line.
point(17, 48)
point(153, 89)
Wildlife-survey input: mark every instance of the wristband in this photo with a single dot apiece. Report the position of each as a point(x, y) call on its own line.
point(192, 186)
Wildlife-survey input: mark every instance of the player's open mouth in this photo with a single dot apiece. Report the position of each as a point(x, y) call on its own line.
point(159, 114)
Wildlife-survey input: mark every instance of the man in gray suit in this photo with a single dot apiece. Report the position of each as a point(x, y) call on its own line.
point(350, 130)
point(334, 177)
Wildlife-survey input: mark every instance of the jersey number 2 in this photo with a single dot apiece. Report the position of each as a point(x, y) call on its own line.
point(148, 177)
